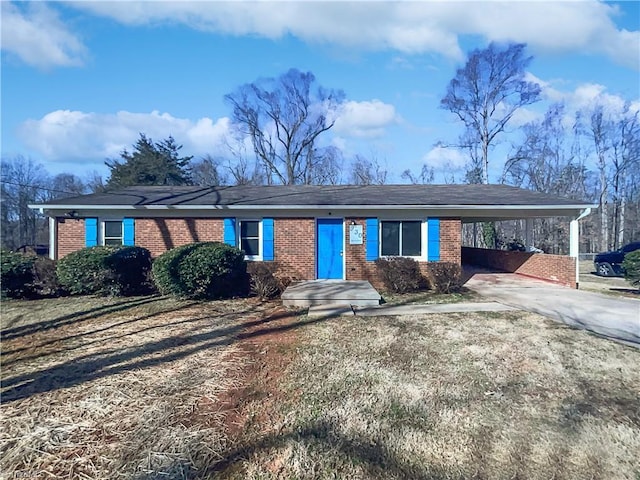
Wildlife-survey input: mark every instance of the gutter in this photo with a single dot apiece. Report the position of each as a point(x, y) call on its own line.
point(43, 207)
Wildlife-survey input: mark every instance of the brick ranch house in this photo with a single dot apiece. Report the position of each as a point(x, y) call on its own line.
point(315, 232)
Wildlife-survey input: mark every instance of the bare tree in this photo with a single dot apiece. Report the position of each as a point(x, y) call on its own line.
point(616, 138)
point(206, 172)
point(427, 175)
point(625, 156)
point(23, 182)
point(67, 185)
point(95, 182)
point(486, 93)
point(325, 167)
point(284, 117)
point(243, 169)
point(546, 161)
point(599, 127)
point(367, 172)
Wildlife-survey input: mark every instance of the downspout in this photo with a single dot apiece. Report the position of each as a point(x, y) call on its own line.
point(574, 241)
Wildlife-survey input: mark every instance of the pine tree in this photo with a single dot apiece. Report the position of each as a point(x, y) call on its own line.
point(150, 164)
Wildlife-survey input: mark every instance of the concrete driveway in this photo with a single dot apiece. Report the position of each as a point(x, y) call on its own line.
point(611, 317)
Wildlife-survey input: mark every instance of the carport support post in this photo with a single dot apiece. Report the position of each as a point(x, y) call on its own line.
point(574, 241)
point(528, 230)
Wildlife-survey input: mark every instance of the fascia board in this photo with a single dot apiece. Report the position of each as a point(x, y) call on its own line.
point(312, 207)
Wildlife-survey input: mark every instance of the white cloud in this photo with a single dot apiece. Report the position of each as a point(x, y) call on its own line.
point(76, 136)
point(366, 119)
point(442, 157)
point(585, 97)
point(522, 116)
point(65, 135)
point(35, 34)
point(408, 27)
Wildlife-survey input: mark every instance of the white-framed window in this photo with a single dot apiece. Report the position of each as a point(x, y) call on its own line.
point(401, 238)
point(250, 239)
point(112, 232)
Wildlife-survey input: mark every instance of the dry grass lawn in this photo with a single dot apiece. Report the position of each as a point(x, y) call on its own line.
point(117, 388)
point(489, 396)
point(154, 388)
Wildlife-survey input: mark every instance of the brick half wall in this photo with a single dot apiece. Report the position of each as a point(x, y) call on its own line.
point(554, 268)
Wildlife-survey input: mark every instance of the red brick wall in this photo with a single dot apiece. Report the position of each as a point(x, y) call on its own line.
point(556, 268)
point(356, 265)
point(295, 247)
point(294, 238)
point(161, 234)
point(70, 236)
point(450, 240)
point(357, 268)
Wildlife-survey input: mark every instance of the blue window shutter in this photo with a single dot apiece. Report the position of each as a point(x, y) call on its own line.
point(229, 234)
point(128, 231)
point(372, 239)
point(267, 239)
point(433, 239)
point(90, 232)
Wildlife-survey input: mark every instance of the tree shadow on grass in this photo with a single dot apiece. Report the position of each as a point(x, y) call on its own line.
point(373, 456)
point(76, 317)
point(116, 361)
point(631, 291)
point(57, 340)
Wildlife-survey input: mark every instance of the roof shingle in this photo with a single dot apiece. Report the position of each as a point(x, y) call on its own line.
point(312, 195)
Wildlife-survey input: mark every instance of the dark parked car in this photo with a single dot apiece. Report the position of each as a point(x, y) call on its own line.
point(609, 264)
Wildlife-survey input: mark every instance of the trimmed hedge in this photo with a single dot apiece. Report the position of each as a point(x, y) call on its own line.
point(28, 276)
point(444, 277)
point(17, 274)
point(106, 270)
point(201, 270)
point(400, 274)
point(631, 266)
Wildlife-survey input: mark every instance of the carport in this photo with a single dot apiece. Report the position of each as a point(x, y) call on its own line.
point(560, 269)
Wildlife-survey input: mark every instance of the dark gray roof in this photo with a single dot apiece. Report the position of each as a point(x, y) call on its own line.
point(312, 195)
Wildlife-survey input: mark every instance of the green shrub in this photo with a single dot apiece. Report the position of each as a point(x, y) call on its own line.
point(17, 274)
point(400, 274)
point(45, 281)
point(263, 280)
point(106, 270)
point(201, 270)
point(631, 266)
point(444, 277)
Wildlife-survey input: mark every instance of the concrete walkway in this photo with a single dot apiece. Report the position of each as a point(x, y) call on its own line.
point(611, 317)
point(334, 310)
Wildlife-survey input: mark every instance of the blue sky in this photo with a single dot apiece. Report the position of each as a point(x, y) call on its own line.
point(80, 80)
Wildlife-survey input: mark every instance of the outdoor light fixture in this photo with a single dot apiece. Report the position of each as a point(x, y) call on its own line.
point(71, 214)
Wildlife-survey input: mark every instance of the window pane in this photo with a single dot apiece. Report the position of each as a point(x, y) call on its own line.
point(411, 239)
point(390, 238)
point(251, 246)
point(113, 241)
point(113, 229)
point(249, 229)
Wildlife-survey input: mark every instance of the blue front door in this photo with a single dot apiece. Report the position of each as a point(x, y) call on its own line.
point(330, 240)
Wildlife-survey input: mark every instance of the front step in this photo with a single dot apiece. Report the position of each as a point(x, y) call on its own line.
point(338, 292)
